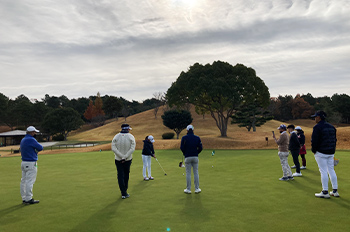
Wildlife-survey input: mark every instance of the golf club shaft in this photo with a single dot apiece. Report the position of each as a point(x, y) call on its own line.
point(160, 166)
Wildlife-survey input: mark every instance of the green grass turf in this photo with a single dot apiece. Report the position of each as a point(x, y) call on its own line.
point(79, 192)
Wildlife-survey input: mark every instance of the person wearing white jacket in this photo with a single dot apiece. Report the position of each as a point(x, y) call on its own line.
point(123, 145)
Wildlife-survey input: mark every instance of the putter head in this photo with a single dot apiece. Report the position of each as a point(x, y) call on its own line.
point(181, 165)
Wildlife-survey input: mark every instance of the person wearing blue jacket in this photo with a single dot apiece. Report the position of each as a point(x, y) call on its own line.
point(323, 144)
point(147, 154)
point(191, 146)
point(29, 151)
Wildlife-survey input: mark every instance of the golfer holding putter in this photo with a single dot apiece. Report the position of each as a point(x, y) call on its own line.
point(191, 146)
point(147, 154)
point(29, 151)
point(123, 145)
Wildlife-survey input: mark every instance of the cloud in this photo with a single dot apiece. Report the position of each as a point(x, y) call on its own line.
point(133, 49)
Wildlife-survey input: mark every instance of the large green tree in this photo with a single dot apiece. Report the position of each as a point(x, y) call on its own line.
point(177, 120)
point(218, 89)
point(62, 121)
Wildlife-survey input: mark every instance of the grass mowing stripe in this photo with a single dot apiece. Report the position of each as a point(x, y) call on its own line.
point(240, 192)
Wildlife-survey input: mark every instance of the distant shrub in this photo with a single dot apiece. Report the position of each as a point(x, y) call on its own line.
point(169, 135)
point(58, 137)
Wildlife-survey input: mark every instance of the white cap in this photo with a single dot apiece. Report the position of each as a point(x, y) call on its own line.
point(190, 127)
point(298, 128)
point(150, 137)
point(31, 129)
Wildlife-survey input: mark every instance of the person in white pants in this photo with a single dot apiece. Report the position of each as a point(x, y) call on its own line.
point(29, 151)
point(323, 144)
point(147, 154)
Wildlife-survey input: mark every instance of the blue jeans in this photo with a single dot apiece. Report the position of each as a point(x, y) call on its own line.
point(192, 161)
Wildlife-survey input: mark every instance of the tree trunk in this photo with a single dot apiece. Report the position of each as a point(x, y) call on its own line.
point(65, 135)
point(221, 123)
point(254, 122)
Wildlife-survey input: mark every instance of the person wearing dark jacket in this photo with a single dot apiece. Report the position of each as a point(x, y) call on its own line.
point(147, 154)
point(302, 151)
point(323, 144)
point(191, 146)
point(294, 148)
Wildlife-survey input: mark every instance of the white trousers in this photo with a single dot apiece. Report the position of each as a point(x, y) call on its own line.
point(326, 166)
point(29, 172)
point(146, 159)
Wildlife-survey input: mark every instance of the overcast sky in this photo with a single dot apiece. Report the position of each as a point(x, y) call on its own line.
point(134, 48)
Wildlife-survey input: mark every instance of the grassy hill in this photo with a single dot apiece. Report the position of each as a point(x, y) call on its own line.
point(145, 123)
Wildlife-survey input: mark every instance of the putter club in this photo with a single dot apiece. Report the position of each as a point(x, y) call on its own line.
point(181, 164)
point(161, 167)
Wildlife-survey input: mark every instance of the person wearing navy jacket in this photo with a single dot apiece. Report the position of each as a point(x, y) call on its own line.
point(191, 146)
point(294, 148)
point(147, 154)
point(323, 144)
point(29, 151)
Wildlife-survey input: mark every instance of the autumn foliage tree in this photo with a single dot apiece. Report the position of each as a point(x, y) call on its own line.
point(94, 112)
point(89, 112)
point(301, 108)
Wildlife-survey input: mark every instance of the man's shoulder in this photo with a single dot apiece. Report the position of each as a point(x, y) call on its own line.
point(284, 134)
point(329, 125)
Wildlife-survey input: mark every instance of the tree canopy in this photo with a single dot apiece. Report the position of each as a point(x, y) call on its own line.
point(62, 121)
point(219, 89)
point(177, 120)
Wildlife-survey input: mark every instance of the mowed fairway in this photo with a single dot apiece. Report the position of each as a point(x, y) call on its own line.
point(241, 192)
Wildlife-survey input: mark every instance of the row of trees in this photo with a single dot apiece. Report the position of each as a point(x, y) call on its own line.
point(286, 107)
point(59, 115)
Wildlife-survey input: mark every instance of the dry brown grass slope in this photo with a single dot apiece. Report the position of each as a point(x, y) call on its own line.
point(145, 123)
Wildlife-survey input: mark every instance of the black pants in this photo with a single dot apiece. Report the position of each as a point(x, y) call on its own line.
point(303, 159)
point(123, 170)
point(295, 155)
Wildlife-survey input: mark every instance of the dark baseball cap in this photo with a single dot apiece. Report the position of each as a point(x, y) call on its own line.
point(126, 127)
point(320, 113)
point(291, 126)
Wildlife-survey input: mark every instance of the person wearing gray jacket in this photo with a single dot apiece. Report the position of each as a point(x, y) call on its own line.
point(123, 145)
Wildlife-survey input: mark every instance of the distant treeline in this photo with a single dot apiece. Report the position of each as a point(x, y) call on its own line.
point(21, 112)
point(286, 107)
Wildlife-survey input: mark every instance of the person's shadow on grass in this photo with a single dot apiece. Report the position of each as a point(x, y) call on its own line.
point(9, 210)
point(194, 211)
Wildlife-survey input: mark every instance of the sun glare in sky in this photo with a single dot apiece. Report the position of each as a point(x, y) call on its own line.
point(186, 3)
